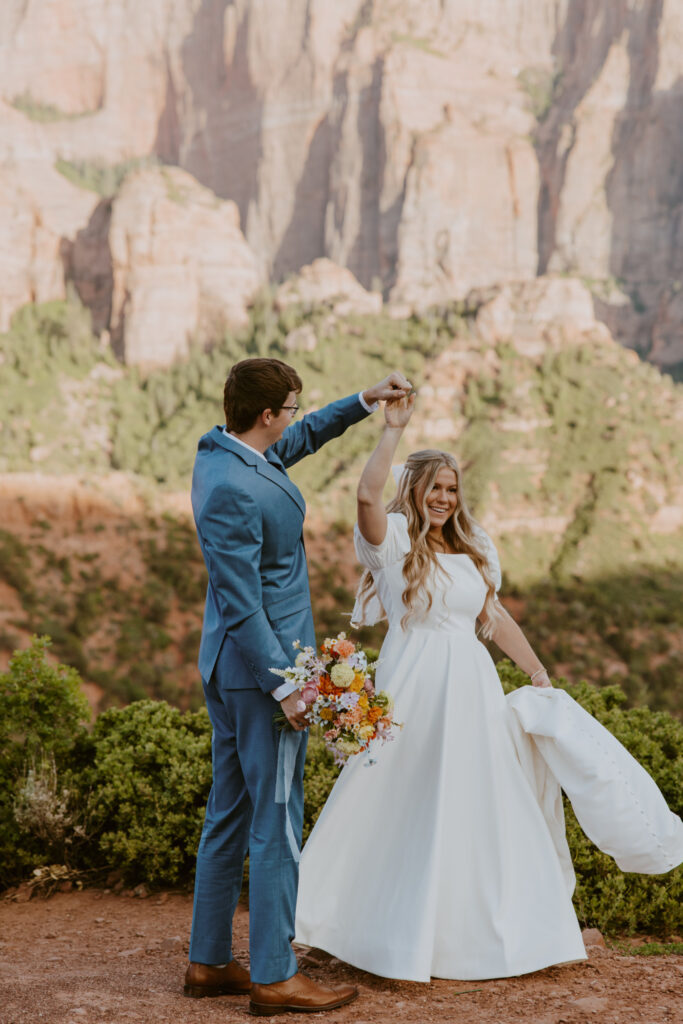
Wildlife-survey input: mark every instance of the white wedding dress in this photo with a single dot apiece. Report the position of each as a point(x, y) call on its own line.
point(448, 856)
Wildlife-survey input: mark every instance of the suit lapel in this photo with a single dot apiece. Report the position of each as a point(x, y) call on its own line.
point(273, 469)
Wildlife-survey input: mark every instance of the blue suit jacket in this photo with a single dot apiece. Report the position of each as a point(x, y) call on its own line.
point(249, 518)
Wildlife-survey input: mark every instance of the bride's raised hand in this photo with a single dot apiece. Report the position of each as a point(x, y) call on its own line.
point(397, 411)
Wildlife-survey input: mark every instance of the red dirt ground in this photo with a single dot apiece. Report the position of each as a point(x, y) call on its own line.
point(90, 957)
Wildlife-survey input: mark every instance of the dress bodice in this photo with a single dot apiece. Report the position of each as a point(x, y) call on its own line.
point(457, 588)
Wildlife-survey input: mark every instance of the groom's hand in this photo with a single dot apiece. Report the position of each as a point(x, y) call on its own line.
point(393, 386)
point(295, 717)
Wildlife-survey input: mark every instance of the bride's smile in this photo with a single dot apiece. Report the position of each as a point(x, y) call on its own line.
point(442, 500)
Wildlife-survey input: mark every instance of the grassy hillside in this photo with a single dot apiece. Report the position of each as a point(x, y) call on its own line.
point(67, 405)
point(572, 458)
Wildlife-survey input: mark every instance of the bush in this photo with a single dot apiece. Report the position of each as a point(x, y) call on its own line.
point(150, 782)
point(44, 113)
point(42, 716)
point(320, 775)
point(140, 782)
point(104, 179)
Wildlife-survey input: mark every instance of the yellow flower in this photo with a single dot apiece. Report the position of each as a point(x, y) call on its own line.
point(327, 714)
point(363, 701)
point(342, 675)
point(366, 731)
point(357, 684)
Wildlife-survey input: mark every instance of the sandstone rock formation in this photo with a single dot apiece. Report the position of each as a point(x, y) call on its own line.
point(39, 211)
point(430, 147)
point(181, 267)
point(530, 314)
point(323, 282)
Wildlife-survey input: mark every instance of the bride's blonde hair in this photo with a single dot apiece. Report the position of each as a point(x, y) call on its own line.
point(460, 533)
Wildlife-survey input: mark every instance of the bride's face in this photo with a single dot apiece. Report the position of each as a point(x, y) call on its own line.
point(442, 499)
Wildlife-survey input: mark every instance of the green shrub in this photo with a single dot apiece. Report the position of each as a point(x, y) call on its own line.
point(540, 85)
point(150, 782)
point(15, 563)
point(104, 179)
point(44, 113)
point(320, 775)
point(132, 794)
point(42, 716)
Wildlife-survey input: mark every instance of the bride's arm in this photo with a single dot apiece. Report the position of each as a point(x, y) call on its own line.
point(372, 518)
point(511, 640)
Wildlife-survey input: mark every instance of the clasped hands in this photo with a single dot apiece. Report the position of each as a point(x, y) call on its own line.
point(399, 395)
point(389, 389)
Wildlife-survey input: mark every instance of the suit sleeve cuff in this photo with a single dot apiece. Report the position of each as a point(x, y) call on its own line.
point(368, 408)
point(284, 690)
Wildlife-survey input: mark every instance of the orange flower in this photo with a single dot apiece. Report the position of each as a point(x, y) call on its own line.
point(326, 685)
point(327, 714)
point(351, 717)
point(374, 715)
point(357, 684)
point(344, 648)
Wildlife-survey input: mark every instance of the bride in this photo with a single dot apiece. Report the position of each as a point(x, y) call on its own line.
point(448, 857)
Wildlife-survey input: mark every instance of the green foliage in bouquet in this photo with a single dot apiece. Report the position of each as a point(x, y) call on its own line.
point(42, 728)
point(149, 785)
point(605, 897)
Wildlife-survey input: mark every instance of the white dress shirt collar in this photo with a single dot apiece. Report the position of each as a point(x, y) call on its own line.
point(244, 444)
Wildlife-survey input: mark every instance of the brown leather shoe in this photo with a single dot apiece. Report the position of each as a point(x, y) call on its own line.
point(205, 980)
point(298, 995)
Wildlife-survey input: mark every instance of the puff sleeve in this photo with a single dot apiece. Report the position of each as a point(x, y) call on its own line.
point(393, 548)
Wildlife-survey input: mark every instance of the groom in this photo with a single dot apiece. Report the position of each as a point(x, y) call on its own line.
point(249, 518)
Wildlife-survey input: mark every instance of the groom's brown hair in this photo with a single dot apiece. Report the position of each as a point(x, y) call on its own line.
point(254, 385)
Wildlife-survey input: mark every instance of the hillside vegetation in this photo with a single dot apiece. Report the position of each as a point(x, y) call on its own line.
point(572, 458)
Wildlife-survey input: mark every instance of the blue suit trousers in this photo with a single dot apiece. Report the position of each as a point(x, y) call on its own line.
point(241, 816)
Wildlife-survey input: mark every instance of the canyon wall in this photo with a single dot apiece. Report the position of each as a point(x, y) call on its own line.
point(430, 147)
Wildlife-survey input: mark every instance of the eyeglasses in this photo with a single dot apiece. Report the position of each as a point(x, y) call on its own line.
point(293, 409)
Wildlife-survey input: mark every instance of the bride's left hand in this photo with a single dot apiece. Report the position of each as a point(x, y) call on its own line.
point(542, 679)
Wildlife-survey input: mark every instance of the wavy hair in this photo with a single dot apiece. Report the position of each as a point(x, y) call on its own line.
point(460, 533)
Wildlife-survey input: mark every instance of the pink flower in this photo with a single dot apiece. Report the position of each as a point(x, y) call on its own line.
point(309, 693)
point(368, 687)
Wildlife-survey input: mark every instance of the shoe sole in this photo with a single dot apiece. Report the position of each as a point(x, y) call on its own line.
point(264, 1010)
point(204, 992)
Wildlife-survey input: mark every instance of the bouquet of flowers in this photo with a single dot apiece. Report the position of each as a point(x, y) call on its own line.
point(337, 688)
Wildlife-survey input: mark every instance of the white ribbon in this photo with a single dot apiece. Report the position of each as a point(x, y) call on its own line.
point(287, 751)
